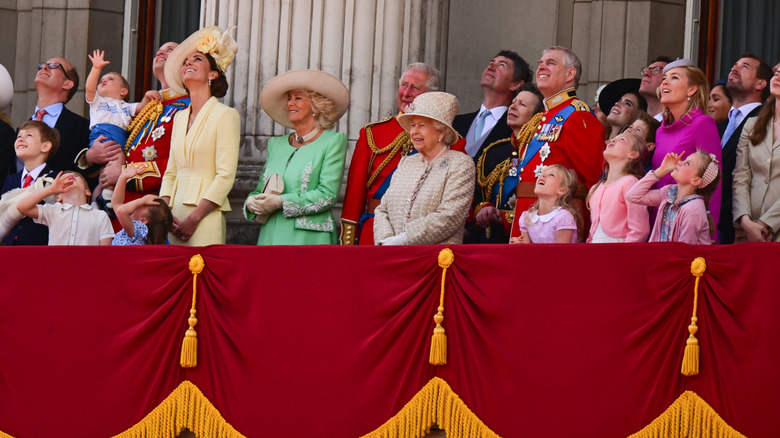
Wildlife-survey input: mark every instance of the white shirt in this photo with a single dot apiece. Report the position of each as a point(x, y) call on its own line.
point(495, 114)
point(33, 173)
point(108, 110)
point(744, 110)
point(74, 225)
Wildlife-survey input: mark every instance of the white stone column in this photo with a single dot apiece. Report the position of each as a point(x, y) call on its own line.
point(365, 43)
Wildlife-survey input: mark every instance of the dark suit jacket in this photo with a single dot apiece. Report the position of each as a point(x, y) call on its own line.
point(7, 152)
point(74, 136)
point(729, 161)
point(26, 232)
point(463, 122)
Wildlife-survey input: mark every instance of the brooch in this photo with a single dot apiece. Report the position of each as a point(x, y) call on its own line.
point(149, 153)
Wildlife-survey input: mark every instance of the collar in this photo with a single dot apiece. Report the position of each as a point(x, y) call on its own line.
point(557, 99)
point(545, 217)
point(33, 173)
point(53, 110)
point(168, 94)
point(671, 198)
point(66, 206)
point(497, 111)
point(746, 108)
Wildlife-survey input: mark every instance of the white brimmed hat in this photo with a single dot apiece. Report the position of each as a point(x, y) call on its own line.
point(273, 97)
point(436, 105)
point(211, 40)
point(6, 88)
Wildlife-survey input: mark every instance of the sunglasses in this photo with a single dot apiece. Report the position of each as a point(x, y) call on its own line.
point(54, 66)
point(653, 70)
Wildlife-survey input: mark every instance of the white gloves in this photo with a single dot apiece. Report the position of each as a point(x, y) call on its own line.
point(264, 203)
point(401, 239)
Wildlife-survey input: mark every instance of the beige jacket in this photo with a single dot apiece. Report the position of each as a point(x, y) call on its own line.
point(439, 211)
point(204, 159)
point(757, 181)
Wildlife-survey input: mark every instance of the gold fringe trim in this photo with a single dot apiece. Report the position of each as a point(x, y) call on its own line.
point(438, 354)
point(435, 404)
point(186, 407)
point(690, 417)
point(690, 362)
point(189, 346)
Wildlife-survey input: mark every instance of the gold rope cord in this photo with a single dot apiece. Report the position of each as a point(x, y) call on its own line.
point(189, 346)
point(186, 407)
point(501, 171)
point(690, 362)
point(438, 354)
point(397, 145)
point(435, 404)
point(690, 417)
point(151, 111)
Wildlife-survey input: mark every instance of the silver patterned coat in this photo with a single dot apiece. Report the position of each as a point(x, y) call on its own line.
point(437, 213)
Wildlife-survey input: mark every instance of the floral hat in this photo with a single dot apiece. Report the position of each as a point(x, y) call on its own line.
point(210, 40)
point(436, 105)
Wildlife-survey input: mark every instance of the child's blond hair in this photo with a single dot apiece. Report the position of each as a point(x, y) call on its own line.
point(568, 180)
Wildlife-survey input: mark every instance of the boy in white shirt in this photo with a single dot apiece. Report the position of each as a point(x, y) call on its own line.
point(72, 220)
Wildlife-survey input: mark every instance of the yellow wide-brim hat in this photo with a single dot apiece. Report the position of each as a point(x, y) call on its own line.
point(436, 105)
point(6, 88)
point(211, 40)
point(273, 97)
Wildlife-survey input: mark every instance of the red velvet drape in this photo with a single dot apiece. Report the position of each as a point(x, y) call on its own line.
point(544, 340)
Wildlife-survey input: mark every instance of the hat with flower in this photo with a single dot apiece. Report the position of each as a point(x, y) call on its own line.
point(210, 40)
point(436, 105)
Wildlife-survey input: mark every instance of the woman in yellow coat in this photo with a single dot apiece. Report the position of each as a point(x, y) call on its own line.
point(205, 139)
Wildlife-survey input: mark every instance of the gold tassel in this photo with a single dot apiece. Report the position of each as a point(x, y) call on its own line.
point(690, 362)
point(439, 341)
point(189, 347)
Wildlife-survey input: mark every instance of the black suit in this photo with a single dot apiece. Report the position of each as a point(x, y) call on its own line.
point(26, 232)
point(463, 122)
point(729, 161)
point(7, 152)
point(74, 136)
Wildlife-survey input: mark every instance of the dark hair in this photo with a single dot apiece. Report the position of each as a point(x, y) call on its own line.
point(640, 100)
point(74, 77)
point(722, 83)
point(521, 70)
point(46, 133)
point(219, 86)
point(662, 58)
point(764, 72)
point(159, 221)
point(652, 125)
point(530, 87)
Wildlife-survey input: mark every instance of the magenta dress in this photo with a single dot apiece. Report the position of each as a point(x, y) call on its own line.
point(695, 130)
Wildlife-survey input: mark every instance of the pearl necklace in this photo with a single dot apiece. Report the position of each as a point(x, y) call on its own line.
point(306, 138)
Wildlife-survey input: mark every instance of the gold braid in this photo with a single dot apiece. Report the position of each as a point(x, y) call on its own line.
point(501, 171)
point(400, 142)
point(151, 111)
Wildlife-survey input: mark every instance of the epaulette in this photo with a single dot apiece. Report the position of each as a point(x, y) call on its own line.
point(580, 105)
point(378, 122)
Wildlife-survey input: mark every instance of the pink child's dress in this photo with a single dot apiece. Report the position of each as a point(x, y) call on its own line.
point(542, 228)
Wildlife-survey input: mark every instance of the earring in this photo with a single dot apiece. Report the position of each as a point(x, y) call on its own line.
point(314, 114)
point(210, 85)
point(689, 98)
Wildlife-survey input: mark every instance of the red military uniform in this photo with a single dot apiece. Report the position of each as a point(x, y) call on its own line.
point(574, 138)
point(377, 153)
point(152, 144)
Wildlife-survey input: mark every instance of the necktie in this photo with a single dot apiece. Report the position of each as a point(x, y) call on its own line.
point(731, 127)
point(27, 180)
point(39, 114)
point(480, 124)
